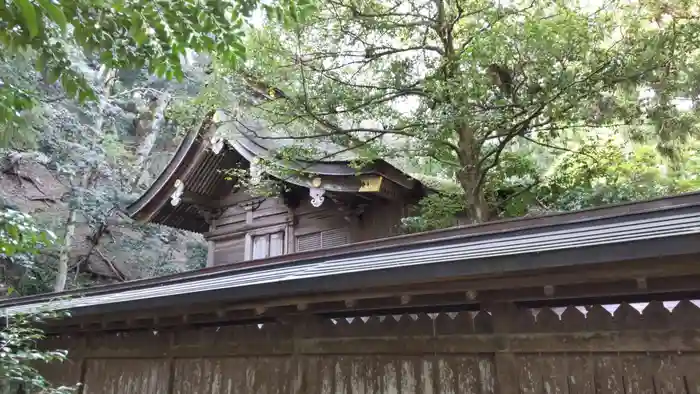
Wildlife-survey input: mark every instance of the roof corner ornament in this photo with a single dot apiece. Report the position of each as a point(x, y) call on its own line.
point(176, 197)
point(217, 144)
point(219, 116)
point(256, 171)
point(316, 192)
point(317, 197)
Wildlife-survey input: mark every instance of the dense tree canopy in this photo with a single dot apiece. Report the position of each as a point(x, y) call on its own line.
point(122, 34)
point(468, 87)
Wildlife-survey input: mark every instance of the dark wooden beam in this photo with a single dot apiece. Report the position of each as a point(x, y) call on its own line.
point(191, 197)
point(442, 298)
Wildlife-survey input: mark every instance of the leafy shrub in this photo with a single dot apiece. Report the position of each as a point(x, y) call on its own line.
point(20, 240)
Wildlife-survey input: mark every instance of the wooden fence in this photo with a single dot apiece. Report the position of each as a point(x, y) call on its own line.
point(575, 350)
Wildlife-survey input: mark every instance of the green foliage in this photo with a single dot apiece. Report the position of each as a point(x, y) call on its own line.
point(19, 354)
point(20, 239)
point(196, 255)
point(123, 34)
point(599, 172)
point(260, 184)
point(613, 174)
point(436, 211)
point(17, 71)
point(20, 235)
point(471, 85)
point(188, 112)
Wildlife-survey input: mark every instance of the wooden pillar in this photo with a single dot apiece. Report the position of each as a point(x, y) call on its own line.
point(211, 246)
point(503, 316)
point(299, 327)
point(170, 388)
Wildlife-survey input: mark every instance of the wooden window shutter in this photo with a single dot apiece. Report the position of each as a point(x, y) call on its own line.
point(335, 237)
point(309, 242)
point(323, 239)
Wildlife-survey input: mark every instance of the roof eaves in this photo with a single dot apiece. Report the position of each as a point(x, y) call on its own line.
point(135, 208)
point(659, 207)
point(631, 228)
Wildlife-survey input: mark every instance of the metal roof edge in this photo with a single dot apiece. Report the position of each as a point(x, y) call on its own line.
point(654, 209)
point(682, 226)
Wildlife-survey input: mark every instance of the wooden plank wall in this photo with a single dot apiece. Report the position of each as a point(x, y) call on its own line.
point(228, 231)
point(506, 350)
point(381, 220)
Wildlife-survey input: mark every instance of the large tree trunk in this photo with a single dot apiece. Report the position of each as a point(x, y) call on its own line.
point(470, 175)
point(149, 126)
point(107, 79)
point(62, 275)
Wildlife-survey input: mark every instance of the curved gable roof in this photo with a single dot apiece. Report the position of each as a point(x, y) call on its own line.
point(199, 169)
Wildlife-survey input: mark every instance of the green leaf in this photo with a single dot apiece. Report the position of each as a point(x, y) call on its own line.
point(55, 13)
point(207, 43)
point(52, 76)
point(160, 68)
point(30, 16)
point(70, 85)
point(83, 96)
point(179, 75)
point(106, 56)
point(41, 62)
point(239, 48)
point(135, 24)
point(279, 14)
point(306, 11)
point(80, 35)
point(140, 36)
point(293, 10)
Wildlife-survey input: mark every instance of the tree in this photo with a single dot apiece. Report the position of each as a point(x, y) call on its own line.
point(84, 161)
point(123, 34)
point(19, 356)
point(614, 172)
point(20, 239)
point(467, 83)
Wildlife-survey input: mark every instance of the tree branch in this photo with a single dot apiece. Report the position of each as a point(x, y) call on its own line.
point(561, 148)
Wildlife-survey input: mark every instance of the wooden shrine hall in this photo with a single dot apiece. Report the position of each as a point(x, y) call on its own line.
point(310, 290)
point(317, 202)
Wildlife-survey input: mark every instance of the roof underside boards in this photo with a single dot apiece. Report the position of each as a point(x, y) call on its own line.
point(204, 179)
point(184, 216)
point(183, 154)
point(636, 236)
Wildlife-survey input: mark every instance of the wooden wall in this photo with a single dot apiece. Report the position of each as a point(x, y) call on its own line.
point(305, 228)
point(380, 220)
point(572, 350)
point(247, 216)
